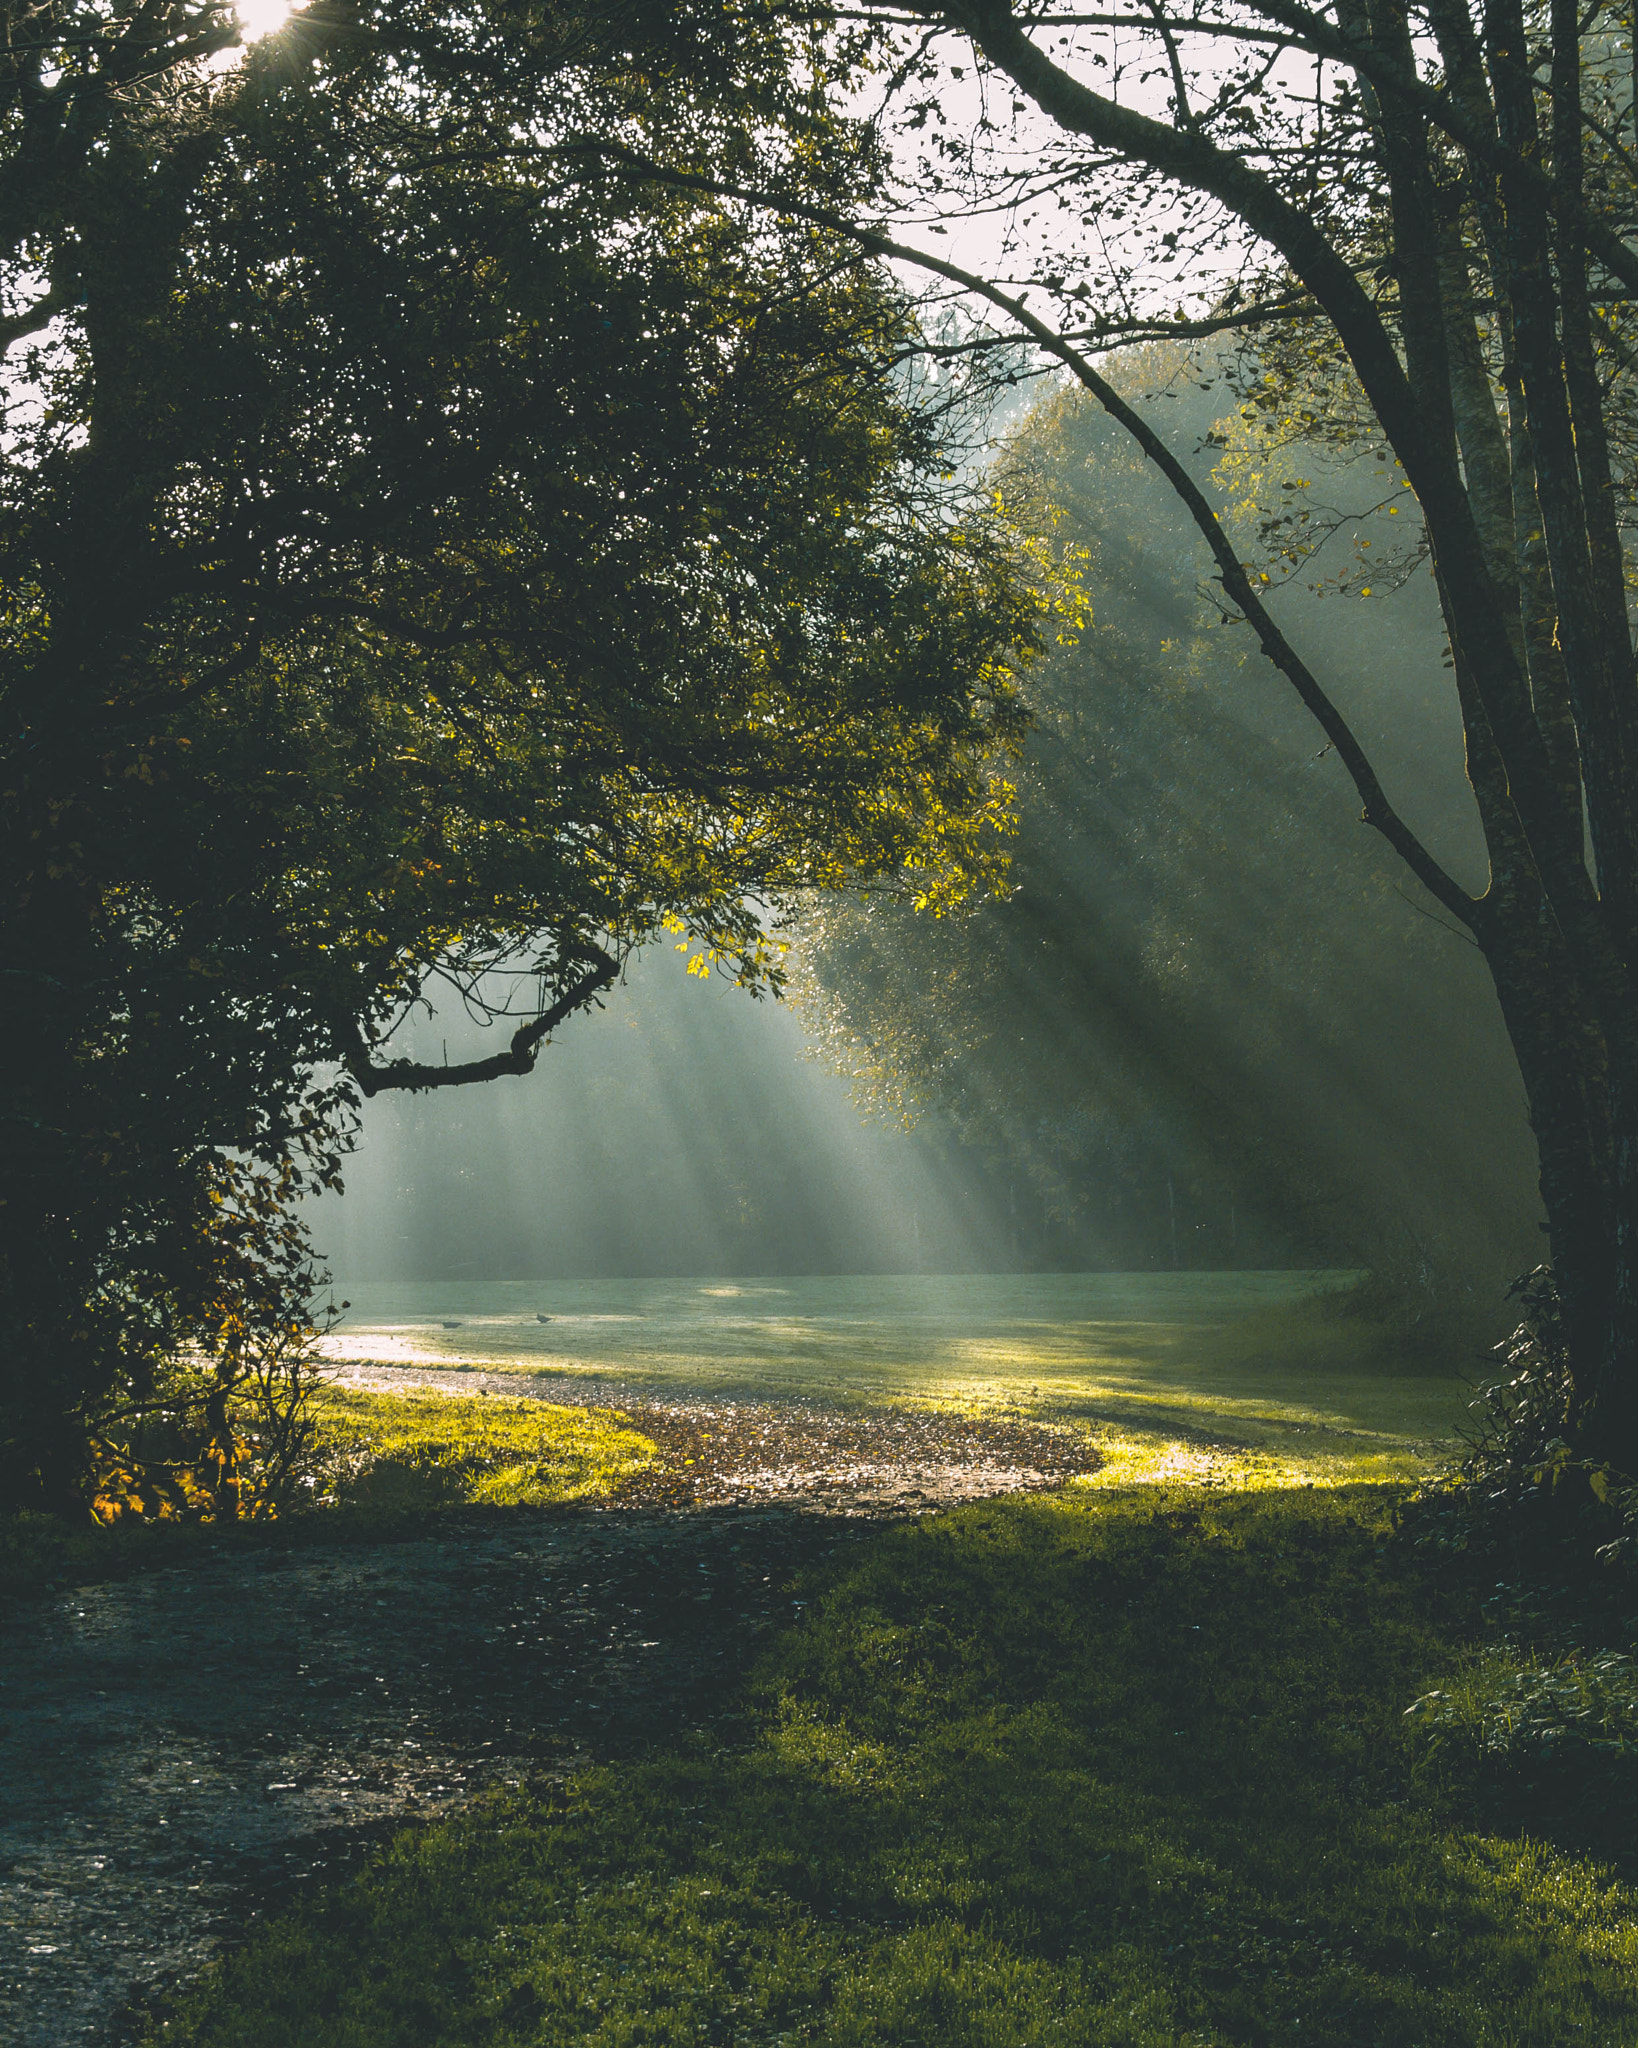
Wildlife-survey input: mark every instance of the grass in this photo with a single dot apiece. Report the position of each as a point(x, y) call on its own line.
point(388, 1460)
point(1264, 1358)
point(418, 1450)
point(1214, 1379)
point(1118, 1768)
point(1123, 1767)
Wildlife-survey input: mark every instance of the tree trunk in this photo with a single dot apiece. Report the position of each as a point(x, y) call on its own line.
point(1606, 1349)
point(1584, 1113)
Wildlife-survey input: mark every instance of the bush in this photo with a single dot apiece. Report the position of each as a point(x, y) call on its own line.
point(1522, 1492)
point(1573, 1710)
point(1543, 1745)
point(230, 1437)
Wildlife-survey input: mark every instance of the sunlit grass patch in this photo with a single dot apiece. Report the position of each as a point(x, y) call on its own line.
point(1187, 1351)
point(1275, 1457)
point(1224, 1441)
point(427, 1449)
point(387, 1458)
point(1117, 1769)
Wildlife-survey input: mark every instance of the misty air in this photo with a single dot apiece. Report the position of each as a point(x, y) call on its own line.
point(817, 1178)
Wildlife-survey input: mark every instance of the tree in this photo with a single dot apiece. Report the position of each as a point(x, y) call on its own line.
point(1436, 200)
point(426, 559)
point(1206, 1021)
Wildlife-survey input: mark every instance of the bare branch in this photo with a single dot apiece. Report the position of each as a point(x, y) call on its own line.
point(519, 1058)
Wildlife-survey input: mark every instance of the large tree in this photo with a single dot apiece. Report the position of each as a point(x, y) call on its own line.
point(427, 558)
point(1432, 205)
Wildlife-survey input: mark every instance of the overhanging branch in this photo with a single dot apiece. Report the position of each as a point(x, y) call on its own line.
point(519, 1057)
point(1377, 810)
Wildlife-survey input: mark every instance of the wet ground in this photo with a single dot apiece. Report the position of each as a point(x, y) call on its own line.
point(182, 1749)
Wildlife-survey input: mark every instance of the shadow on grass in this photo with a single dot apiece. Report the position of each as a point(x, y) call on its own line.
point(391, 1466)
point(1105, 1768)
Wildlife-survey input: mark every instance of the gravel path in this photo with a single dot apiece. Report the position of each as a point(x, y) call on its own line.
point(181, 1749)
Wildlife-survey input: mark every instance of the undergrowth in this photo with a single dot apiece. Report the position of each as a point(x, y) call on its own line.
point(383, 1463)
point(1125, 1768)
point(1547, 1742)
point(1541, 1726)
point(1525, 1512)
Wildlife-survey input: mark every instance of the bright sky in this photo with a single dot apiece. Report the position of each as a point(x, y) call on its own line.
point(1006, 246)
point(258, 18)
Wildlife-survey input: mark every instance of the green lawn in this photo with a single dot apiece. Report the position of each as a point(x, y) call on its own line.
point(1129, 1765)
point(1262, 1358)
point(1218, 1379)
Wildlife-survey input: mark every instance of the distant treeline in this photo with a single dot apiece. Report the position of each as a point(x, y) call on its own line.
point(1209, 1025)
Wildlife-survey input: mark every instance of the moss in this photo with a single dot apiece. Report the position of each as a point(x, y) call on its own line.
point(1122, 1766)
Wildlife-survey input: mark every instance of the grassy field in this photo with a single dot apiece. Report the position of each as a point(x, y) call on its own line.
point(1191, 1755)
point(1217, 1379)
point(1127, 1766)
point(1214, 1379)
point(1266, 1359)
point(416, 1450)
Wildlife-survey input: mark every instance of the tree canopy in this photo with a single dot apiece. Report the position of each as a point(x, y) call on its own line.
point(427, 559)
point(1207, 1021)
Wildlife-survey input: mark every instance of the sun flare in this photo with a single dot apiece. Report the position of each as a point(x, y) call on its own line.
point(260, 18)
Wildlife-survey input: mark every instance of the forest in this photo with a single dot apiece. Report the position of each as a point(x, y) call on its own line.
point(819, 1142)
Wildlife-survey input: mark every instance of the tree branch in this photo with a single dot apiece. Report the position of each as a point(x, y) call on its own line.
point(1377, 810)
point(1476, 616)
point(519, 1058)
point(1301, 28)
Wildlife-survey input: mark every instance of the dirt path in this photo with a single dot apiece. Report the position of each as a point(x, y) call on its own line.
point(846, 1460)
point(178, 1749)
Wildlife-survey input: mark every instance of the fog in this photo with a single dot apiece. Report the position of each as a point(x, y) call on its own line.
point(1216, 1022)
point(1214, 1025)
point(679, 1130)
